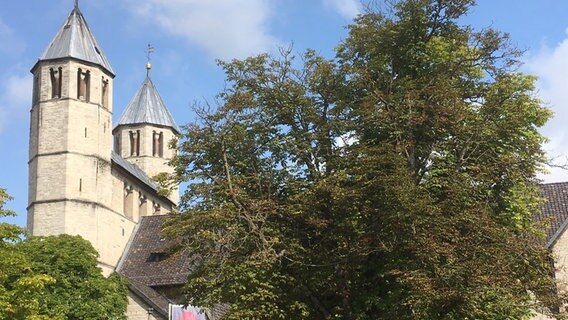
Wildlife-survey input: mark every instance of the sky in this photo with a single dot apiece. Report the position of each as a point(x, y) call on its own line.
point(190, 35)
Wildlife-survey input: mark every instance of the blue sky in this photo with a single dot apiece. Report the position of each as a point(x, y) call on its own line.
point(189, 35)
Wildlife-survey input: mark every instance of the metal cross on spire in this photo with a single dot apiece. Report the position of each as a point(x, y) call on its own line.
point(148, 64)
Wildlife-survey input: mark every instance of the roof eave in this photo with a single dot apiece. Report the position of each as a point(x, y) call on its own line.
point(557, 234)
point(149, 187)
point(133, 125)
point(147, 107)
point(108, 72)
point(148, 300)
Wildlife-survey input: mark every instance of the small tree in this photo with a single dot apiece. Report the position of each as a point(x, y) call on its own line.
point(16, 279)
point(79, 290)
point(54, 277)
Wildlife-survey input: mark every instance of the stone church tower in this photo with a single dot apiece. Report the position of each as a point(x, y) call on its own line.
point(144, 130)
point(77, 183)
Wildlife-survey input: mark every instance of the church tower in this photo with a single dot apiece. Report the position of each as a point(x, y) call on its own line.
point(143, 133)
point(70, 143)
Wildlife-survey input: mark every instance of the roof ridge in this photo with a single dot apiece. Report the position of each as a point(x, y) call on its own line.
point(554, 183)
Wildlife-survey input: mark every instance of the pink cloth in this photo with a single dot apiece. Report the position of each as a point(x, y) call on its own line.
point(188, 315)
point(179, 312)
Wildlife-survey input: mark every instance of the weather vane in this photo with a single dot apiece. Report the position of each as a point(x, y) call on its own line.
point(148, 64)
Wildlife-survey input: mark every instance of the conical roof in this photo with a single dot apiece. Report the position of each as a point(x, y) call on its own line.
point(75, 40)
point(147, 107)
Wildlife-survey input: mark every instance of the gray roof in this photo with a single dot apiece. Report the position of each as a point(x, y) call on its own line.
point(75, 40)
point(146, 276)
point(554, 211)
point(133, 170)
point(172, 270)
point(147, 107)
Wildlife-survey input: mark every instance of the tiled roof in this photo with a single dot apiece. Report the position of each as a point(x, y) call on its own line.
point(144, 274)
point(152, 297)
point(149, 241)
point(133, 170)
point(75, 40)
point(147, 107)
point(218, 311)
point(554, 211)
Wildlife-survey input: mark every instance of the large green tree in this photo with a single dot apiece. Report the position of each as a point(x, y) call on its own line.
point(396, 181)
point(54, 277)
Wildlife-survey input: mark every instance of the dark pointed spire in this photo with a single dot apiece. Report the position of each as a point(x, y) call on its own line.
point(147, 107)
point(75, 40)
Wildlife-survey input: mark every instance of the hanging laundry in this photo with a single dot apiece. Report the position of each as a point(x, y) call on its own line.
point(179, 312)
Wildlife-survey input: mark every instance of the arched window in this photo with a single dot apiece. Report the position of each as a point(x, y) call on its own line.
point(83, 85)
point(157, 208)
point(134, 142)
point(56, 79)
point(35, 98)
point(128, 200)
point(154, 143)
point(143, 204)
point(104, 93)
point(161, 145)
point(137, 142)
point(117, 143)
point(158, 144)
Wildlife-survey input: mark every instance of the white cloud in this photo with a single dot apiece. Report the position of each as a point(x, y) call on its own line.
point(225, 28)
point(10, 43)
point(550, 64)
point(15, 89)
point(15, 99)
point(347, 8)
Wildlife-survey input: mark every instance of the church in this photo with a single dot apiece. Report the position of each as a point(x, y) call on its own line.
point(90, 177)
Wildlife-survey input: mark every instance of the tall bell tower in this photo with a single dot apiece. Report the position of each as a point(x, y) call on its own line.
point(71, 139)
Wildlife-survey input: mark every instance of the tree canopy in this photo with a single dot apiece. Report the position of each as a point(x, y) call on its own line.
point(395, 181)
point(54, 277)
